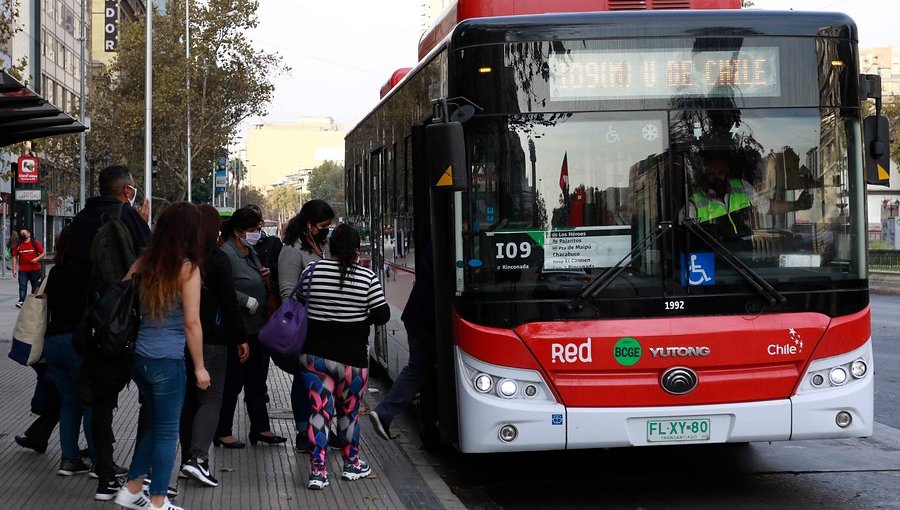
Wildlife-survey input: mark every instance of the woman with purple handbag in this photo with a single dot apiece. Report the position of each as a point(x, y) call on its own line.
point(305, 239)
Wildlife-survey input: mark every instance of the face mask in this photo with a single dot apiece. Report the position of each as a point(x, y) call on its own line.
point(133, 197)
point(251, 239)
point(321, 236)
point(721, 188)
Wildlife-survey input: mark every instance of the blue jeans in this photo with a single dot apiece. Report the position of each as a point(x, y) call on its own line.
point(161, 383)
point(63, 365)
point(24, 278)
point(411, 378)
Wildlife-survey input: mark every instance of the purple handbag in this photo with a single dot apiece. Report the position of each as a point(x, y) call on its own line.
point(284, 334)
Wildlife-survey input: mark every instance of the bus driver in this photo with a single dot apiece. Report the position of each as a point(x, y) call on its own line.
point(723, 205)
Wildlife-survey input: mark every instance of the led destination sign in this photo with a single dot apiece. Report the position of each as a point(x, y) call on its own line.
point(648, 74)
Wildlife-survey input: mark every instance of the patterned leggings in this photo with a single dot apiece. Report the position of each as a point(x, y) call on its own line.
point(326, 382)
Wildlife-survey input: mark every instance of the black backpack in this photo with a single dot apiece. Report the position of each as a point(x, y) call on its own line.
point(110, 325)
point(112, 251)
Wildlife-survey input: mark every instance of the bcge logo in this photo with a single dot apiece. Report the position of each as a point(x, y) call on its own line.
point(571, 352)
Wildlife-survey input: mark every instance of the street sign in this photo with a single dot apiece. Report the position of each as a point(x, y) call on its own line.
point(30, 195)
point(28, 170)
point(221, 181)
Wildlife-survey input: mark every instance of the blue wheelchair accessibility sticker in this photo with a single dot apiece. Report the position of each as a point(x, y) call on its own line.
point(698, 269)
point(557, 419)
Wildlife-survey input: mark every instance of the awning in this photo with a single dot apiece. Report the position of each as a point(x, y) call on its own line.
point(25, 115)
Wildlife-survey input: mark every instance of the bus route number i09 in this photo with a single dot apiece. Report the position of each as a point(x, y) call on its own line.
point(513, 252)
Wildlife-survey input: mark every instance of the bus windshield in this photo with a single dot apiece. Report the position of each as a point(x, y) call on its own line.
point(567, 181)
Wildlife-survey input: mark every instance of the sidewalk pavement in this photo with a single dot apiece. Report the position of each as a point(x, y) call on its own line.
point(257, 477)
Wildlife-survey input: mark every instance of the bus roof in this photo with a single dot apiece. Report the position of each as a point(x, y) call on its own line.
point(670, 23)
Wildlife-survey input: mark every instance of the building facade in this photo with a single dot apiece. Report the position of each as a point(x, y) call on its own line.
point(282, 152)
point(886, 63)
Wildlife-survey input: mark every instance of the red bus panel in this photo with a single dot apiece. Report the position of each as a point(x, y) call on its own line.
point(619, 362)
point(467, 9)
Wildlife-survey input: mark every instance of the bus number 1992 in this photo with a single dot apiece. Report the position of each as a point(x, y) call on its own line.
point(675, 305)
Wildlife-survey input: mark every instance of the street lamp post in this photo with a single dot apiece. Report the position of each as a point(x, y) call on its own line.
point(187, 89)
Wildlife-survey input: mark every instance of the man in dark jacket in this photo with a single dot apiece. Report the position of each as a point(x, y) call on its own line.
point(418, 319)
point(101, 380)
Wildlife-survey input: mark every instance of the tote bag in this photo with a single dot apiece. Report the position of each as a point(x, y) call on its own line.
point(28, 334)
point(284, 334)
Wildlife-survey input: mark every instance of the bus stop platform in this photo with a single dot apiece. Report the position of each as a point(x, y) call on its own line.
point(256, 477)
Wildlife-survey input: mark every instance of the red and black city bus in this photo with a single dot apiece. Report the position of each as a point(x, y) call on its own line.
point(551, 160)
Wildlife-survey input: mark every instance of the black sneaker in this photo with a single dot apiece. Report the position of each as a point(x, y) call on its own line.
point(170, 491)
point(118, 471)
point(198, 469)
point(107, 490)
point(317, 480)
point(72, 467)
point(355, 471)
point(26, 442)
point(381, 428)
point(19, 304)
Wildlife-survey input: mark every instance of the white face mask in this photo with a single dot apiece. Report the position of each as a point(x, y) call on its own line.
point(252, 238)
point(133, 197)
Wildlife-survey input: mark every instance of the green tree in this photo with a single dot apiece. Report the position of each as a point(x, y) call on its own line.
point(891, 110)
point(326, 182)
point(253, 195)
point(230, 81)
point(282, 203)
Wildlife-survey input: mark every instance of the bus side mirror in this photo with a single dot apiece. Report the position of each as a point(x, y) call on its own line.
point(878, 150)
point(445, 147)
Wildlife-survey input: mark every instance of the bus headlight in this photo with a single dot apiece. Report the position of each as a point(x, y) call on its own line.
point(483, 383)
point(507, 388)
point(838, 376)
point(858, 368)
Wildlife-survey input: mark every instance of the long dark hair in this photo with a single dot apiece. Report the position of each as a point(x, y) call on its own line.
point(345, 248)
point(242, 219)
point(210, 226)
point(62, 247)
point(176, 238)
point(312, 212)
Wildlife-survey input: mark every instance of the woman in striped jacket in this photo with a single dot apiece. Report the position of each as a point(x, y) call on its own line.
point(345, 299)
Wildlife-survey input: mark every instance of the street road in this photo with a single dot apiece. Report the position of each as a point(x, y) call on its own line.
point(857, 473)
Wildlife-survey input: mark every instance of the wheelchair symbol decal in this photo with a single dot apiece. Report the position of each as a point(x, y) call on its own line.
point(701, 270)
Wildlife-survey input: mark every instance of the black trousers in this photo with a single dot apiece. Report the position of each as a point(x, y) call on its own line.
point(45, 403)
point(251, 377)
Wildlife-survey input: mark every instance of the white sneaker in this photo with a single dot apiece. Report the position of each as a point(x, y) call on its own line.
point(167, 505)
point(138, 501)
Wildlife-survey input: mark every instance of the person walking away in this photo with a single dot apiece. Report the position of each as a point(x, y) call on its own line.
point(418, 319)
point(241, 232)
point(44, 403)
point(223, 330)
point(101, 379)
point(63, 363)
point(11, 243)
point(26, 263)
point(170, 320)
point(304, 242)
point(344, 299)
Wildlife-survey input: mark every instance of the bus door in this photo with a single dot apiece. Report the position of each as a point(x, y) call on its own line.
point(375, 227)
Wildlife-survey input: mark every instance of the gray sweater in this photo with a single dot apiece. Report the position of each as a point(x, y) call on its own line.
point(291, 263)
point(248, 281)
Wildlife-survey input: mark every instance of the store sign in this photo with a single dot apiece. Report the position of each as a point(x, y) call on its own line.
point(27, 172)
point(221, 181)
point(111, 26)
point(30, 195)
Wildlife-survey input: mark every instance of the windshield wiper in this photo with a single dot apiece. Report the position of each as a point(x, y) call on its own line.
point(604, 279)
point(756, 281)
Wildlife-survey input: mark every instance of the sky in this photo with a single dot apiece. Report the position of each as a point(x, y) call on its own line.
point(343, 51)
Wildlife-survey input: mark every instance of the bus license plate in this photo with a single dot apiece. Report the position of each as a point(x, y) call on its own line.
point(682, 429)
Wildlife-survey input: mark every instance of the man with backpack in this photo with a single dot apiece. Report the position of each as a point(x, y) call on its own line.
point(106, 235)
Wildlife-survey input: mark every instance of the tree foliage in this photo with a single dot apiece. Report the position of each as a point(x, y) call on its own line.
point(891, 110)
point(282, 203)
point(326, 182)
point(230, 81)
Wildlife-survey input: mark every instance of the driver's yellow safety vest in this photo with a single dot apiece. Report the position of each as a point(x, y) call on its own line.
point(709, 209)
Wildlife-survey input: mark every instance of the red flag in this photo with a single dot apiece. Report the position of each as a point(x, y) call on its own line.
point(564, 175)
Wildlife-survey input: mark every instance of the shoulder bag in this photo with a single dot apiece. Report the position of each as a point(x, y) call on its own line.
point(284, 334)
point(28, 334)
